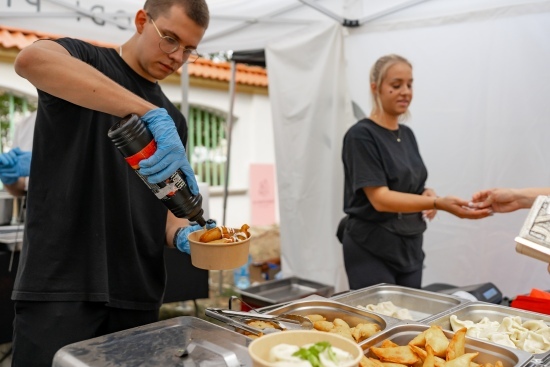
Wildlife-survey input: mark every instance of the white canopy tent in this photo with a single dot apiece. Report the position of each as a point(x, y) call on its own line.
point(481, 80)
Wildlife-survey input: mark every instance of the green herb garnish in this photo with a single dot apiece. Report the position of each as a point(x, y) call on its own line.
point(311, 354)
point(332, 355)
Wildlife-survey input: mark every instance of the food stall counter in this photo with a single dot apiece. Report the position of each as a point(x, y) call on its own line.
point(181, 341)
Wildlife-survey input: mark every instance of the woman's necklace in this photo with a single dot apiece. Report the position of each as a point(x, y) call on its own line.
point(397, 134)
point(394, 133)
point(120, 50)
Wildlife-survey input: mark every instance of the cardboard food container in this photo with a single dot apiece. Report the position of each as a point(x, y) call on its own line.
point(217, 256)
point(259, 348)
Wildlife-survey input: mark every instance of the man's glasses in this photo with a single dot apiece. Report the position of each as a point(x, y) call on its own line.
point(169, 45)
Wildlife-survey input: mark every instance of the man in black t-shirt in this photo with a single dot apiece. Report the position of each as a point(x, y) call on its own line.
point(92, 258)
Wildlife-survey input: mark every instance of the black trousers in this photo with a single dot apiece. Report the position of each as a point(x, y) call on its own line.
point(363, 269)
point(42, 328)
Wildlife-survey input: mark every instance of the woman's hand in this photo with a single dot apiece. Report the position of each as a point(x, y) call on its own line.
point(460, 208)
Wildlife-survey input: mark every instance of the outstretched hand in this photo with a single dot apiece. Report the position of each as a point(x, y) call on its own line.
point(461, 208)
point(498, 200)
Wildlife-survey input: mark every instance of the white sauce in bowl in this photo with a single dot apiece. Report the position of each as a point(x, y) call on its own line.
point(281, 356)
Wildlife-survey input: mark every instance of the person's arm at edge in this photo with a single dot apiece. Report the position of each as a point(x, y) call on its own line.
point(50, 68)
point(385, 200)
point(505, 200)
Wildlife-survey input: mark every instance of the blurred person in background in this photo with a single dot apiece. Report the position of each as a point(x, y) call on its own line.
point(15, 164)
point(385, 195)
point(92, 258)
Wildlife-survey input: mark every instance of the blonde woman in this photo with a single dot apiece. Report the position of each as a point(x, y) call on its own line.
point(385, 195)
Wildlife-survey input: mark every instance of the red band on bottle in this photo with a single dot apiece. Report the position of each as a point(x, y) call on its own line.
point(145, 153)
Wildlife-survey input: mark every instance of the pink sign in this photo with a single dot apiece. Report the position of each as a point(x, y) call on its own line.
point(262, 194)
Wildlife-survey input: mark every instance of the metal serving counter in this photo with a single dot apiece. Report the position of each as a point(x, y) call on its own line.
point(161, 344)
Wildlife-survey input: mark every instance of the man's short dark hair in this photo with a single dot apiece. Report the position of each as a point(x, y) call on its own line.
point(196, 10)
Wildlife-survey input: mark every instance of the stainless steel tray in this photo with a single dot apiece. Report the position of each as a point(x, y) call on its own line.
point(402, 333)
point(332, 309)
point(160, 344)
point(421, 304)
point(475, 311)
point(283, 290)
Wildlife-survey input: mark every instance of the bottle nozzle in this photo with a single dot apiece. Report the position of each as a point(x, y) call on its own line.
point(200, 220)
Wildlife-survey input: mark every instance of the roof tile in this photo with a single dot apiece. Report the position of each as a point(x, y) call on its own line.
point(202, 68)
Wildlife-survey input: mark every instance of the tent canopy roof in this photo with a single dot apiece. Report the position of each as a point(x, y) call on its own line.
point(235, 24)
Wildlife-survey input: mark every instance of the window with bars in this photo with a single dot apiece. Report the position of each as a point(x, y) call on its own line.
point(207, 144)
point(206, 147)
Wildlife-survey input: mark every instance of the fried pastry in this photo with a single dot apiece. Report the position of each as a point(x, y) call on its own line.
point(223, 234)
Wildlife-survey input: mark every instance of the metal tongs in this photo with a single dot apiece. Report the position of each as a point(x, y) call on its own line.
point(238, 320)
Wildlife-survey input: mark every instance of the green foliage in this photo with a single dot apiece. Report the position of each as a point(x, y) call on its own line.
point(10, 108)
point(222, 56)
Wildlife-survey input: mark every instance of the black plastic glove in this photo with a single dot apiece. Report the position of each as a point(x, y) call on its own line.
point(170, 154)
point(181, 241)
point(14, 164)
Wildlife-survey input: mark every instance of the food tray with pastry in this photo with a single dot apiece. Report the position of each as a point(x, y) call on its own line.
point(330, 316)
point(220, 248)
point(524, 330)
point(400, 302)
point(416, 344)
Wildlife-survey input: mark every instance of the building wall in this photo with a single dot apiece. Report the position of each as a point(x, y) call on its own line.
point(251, 140)
point(10, 81)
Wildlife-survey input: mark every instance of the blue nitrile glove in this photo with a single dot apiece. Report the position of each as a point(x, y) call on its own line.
point(181, 241)
point(14, 164)
point(170, 154)
point(8, 159)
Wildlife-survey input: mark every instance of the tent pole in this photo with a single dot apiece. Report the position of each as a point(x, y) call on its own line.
point(358, 22)
point(322, 9)
point(250, 22)
point(228, 154)
point(390, 10)
point(184, 83)
point(229, 131)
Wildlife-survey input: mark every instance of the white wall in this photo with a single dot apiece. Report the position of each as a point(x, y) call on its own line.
point(10, 81)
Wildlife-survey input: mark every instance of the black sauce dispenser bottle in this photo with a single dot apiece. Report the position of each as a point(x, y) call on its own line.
point(134, 140)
